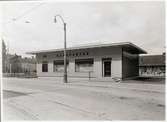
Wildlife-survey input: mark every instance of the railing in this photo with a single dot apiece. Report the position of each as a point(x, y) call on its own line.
point(90, 75)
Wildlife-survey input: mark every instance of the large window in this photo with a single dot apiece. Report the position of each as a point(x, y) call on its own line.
point(84, 65)
point(58, 65)
point(45, 66)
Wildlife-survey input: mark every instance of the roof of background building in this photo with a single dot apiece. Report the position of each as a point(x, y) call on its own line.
point(18, 58)
point(9, 56)
point(28, 60)
point(128, 45)
point(13, 56)
point(152, 60)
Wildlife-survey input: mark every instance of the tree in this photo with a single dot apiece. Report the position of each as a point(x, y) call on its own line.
point(4, 56)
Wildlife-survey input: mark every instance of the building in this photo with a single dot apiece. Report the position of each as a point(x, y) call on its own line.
point(152, 65)
point(6, 64)
point(28, 65)
point(17, 64)
point(101, 62)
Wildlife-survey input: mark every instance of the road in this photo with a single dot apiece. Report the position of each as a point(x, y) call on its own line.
point(49, 99)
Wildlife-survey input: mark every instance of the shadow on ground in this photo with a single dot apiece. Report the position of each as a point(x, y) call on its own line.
point(9, 94)
point(147, 80)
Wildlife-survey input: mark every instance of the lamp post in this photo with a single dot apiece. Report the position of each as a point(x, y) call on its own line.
point(65, 57)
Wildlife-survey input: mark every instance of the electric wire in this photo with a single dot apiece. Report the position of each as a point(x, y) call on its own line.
point(24, 13)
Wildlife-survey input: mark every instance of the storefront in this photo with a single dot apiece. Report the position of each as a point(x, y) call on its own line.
point(102, 62)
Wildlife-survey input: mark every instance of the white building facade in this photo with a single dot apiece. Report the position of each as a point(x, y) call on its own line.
point(98, 62)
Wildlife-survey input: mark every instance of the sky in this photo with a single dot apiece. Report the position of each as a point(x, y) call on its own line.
point(30, 26)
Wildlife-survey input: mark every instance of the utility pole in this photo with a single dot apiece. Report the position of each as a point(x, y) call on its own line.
point(65, 56)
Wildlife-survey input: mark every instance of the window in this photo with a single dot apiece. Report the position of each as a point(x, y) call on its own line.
point(44, 56)
point(84, 65)
point(45, 66)
point(58, 65)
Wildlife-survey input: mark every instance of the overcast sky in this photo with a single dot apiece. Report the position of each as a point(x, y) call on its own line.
point(142, 23)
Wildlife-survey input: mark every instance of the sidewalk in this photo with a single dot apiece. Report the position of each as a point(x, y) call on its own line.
point(121, 85)
point(137, 86)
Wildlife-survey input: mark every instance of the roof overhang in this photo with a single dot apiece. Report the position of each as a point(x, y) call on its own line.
point(126, 45)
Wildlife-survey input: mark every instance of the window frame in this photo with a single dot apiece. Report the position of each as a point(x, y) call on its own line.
point(60, 62)
point(82, 60)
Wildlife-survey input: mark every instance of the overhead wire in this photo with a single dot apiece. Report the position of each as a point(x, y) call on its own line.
point(20, 16)
point(24, 13)
point(27, 12)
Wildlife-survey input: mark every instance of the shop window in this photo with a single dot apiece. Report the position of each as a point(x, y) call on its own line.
point(84, 65)
point(58, 65)
point(44, 56)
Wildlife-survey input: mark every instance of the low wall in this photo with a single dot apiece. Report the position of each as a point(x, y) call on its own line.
point(25, 75)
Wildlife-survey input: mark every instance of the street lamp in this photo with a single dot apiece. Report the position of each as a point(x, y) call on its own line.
point(65, 58)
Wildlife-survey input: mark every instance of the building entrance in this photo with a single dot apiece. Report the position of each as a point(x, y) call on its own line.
point(107, 67)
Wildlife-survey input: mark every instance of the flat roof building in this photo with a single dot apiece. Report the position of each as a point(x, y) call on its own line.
point(101, 62)
point(152, 65)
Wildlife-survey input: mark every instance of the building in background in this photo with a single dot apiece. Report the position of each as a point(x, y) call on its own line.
point(101, 62)
point(152, 65)
point(17, 64)
point(14, 65)
point(28, 64)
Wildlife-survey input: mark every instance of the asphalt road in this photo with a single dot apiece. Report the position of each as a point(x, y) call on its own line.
point(48, 99)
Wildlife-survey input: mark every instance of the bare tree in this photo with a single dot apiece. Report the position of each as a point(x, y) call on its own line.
point(4, 56)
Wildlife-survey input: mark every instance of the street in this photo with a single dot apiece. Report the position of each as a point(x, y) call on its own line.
point(50, 99)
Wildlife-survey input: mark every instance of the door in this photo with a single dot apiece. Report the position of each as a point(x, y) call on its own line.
point(107, 68)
